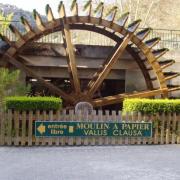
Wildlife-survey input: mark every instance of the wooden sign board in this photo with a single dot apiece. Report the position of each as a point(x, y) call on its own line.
point(83, 129)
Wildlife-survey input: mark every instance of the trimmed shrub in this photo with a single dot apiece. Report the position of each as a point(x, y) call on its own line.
point(33, 103)
point(151, 106)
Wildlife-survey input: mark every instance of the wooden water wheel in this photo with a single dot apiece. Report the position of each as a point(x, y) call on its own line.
point(126, 38)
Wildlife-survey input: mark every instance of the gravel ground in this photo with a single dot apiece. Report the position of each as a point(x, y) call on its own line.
point(91, 163)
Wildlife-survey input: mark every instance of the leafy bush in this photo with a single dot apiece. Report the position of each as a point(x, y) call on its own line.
point(151, 106)
point(33, 103)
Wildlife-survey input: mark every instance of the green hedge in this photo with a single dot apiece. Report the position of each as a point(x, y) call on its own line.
point(33, 103)
point(151, 106)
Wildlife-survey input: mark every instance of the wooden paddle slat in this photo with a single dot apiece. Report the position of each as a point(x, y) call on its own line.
point(174, 118)
point(37, 118)
point(58, 118)
point(71, 119)
point(178, 129)
point(9, 128)
point(30, 128)
point(168, 128)
point(163, 121)
point(156, 128)
point(120, 118)
point(24, 119)
point(50, 140)
point(16, 128)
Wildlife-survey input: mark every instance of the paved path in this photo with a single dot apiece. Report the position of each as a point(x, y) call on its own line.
point(91, 163)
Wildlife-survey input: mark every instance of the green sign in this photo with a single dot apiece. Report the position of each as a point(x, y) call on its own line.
point(82, 129)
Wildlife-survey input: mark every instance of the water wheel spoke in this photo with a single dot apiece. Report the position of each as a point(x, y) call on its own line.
point(120, 97)
point(31, 73)
point(71, 61)
point(99, 77)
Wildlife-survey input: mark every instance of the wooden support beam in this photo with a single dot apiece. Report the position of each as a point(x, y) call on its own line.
point(117, 39)
point(120, 97)
point(71, 61)
point(29, 72)
point(103, 64)
point(98, 78)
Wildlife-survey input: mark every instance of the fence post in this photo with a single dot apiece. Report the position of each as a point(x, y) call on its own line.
point(30, 123)
point(44, 118)
point(156, 130)
point(178, 129)
point(24, 119)
point(71, 118)
point(139, 139)
point(58, 118)
point(37, 117)
point(94, 117)
point(2, 121)
point(174, 129)
point(9, 127)
point(50, 118)
point(120, 120)
point(16, 127)
point(162, 127)
point(100, 116)
point(168, 127)
point(78, 117)
point(86, 118)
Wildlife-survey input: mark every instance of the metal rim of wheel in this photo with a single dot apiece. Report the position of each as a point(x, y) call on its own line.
point(125, 37)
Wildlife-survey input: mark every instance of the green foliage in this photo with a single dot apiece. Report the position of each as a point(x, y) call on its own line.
point(6, 21)
point(6, 80)
point(20, 89)
point(10, 84)
point(151, 106)
point(33, 103)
